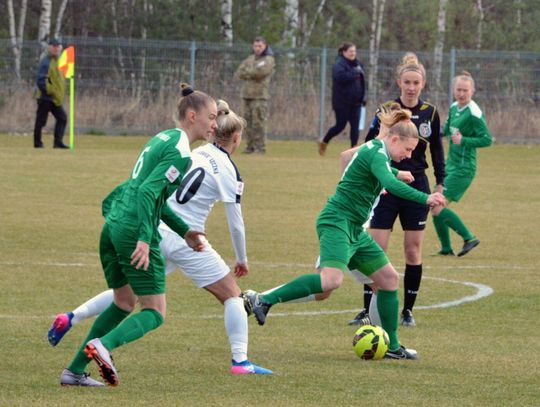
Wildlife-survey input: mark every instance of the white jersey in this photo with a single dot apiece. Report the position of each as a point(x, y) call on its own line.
point(212, 177)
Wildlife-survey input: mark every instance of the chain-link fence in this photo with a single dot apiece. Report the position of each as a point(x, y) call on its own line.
point(130, 86)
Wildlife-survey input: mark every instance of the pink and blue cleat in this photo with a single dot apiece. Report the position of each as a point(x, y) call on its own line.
point(60, 326)
point(246, 367)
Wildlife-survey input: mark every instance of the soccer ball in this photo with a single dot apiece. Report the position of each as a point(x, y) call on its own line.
point(370, 342)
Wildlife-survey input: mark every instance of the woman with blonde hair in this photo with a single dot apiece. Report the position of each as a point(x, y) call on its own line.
point(344, 244)
point(411, 79)
point(212, 177)
point(467, 130)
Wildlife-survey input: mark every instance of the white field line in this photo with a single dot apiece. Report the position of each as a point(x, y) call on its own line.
point(481, 290)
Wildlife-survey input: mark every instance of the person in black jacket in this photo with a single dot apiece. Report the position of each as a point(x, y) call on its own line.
point(348, 92)
point(411, 79)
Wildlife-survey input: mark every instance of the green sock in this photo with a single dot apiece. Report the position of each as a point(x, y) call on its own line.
point(300, 287)
point(454, 221)
point(388, 306)
point(133, 328)
point(443, 232)
point(106, 321)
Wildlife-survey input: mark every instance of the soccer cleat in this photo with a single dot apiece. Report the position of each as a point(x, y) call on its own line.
point(60, 326)
point(444, 253)
point(468, 246)
point(401, 353)
point(94, 349)
point(253, 303)
point(361, 319)
point(68, 378)
point(407, 318)
point(247, 367)
point(322, 147)
point(247, 304)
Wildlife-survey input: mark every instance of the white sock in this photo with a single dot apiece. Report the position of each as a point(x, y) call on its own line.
point(373, 311)
point(310, 297)
point(236, 325)
point(93, 306)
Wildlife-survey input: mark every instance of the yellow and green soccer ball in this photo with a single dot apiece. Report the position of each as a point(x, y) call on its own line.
point(370, 342)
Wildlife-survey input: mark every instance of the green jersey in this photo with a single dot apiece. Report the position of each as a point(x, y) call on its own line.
point(139, 203)
point(363, 180)
point(471, 123)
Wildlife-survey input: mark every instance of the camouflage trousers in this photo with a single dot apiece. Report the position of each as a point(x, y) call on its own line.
point(256, 115)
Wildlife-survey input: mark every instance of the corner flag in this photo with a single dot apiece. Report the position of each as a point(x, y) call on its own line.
point(66, 64)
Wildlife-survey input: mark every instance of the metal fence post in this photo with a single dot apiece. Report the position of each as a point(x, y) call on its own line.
point(193, 50)
point(452, 73)
point(322, 92)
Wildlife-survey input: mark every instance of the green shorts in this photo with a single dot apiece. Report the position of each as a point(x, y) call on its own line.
point(456, 184)
point(346, 245)
point(115, 248)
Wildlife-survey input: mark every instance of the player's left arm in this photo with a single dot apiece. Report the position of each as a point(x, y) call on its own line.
point(164, 178)
point(380, 167)
point(436, 148)
point(237, 230)
point(481, 135)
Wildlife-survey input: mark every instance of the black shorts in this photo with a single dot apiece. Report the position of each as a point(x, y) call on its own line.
point(412, 215)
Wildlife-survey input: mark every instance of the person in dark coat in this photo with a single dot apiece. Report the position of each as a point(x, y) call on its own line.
point(348, 94)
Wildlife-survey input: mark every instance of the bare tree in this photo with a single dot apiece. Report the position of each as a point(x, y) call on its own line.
point(439, 46)
point(517, 6)
point(290, 33)
point(59, 18)
point(307, 35)
point(374, 44)
point(226, 22)
point(479, 28)
point(44, 23)
point(16, 35)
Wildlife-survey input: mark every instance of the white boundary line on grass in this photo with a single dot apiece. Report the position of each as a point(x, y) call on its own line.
point(481, 290)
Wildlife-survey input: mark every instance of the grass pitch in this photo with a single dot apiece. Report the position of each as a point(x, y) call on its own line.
point(479, 353)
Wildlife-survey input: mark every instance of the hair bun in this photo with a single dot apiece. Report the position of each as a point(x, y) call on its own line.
point(223, 107)
point(186, 89)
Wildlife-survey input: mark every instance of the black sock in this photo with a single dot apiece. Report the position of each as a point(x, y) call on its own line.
point(368, 292)
point(413, 276)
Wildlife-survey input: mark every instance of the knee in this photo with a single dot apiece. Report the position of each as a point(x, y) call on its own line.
point(413, 254)
point(127, 304)
point(331, 279)
point(388, 279)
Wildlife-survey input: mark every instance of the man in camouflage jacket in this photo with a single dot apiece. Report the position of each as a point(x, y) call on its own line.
point(255, 71)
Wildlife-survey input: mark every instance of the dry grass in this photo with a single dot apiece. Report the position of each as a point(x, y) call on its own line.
point(293, 114)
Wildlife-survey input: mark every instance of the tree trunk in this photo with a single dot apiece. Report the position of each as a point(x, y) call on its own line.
point(479, 30)
point(226, 22)
point(16, 36)
point(44, 23)
point(290, 33)
point(517, 6)
point(374, 43)
point(318, 13)
point(439, 47)
point(59, 18)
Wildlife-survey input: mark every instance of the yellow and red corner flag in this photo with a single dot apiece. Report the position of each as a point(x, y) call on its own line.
point(66, 64)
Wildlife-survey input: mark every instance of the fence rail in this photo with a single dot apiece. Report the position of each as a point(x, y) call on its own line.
point(130, 86)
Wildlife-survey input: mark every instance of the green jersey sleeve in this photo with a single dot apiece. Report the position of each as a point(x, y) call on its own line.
point(481, 135)
point(151, 190)
point(173, 221)
point(380, 168)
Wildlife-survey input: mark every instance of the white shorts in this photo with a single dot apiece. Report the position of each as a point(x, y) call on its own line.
point(204, 268)
point(358, 276)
